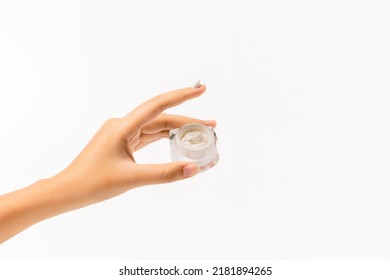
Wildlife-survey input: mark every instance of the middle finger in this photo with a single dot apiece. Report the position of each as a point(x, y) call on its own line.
point(168, 121)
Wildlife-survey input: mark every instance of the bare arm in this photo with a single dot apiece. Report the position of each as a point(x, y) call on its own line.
point(105, 168)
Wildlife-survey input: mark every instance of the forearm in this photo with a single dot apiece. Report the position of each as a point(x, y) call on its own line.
point(42, 200)
point(106, 166)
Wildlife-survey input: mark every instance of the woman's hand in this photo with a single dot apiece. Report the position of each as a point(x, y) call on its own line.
point(106, 166)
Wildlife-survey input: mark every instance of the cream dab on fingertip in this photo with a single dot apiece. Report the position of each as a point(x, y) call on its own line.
point(197, 84)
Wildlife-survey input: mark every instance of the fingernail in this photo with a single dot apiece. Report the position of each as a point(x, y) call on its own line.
point(190, 170)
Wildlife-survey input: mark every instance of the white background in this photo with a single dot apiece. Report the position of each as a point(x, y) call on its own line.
point(301, 93)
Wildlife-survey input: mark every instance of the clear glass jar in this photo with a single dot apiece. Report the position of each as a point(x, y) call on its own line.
point(194, 143)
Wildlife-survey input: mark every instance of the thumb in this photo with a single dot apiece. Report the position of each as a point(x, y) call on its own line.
point(164, 173)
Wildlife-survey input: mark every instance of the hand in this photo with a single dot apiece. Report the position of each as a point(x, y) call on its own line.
point(106, 166)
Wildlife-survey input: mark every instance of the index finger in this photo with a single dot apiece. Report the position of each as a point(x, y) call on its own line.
point(149, 110)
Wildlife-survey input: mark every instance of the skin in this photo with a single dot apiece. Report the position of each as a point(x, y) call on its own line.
point(105, 168)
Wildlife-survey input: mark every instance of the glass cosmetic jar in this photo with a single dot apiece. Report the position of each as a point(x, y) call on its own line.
point(194, 143)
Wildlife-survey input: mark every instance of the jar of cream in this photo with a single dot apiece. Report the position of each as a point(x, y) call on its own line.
point(194, 143)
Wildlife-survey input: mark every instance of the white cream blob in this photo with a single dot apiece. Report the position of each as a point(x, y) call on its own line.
point(195, 138)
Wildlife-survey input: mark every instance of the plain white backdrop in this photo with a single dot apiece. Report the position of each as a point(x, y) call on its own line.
point(301, 93)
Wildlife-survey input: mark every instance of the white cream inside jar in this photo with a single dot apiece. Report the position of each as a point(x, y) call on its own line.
point(195, 138)
point(194, 143)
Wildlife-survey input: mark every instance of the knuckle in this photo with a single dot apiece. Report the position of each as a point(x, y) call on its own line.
point(164, 123)
point(166, 175)
point(110, 121)
point(159, 102)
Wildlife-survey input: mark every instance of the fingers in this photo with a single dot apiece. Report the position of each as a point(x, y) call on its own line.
point(164, 173)
point(167, 122)
point(149, 138)
point(159, 128)
point(150, 109)
point(146, 139)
